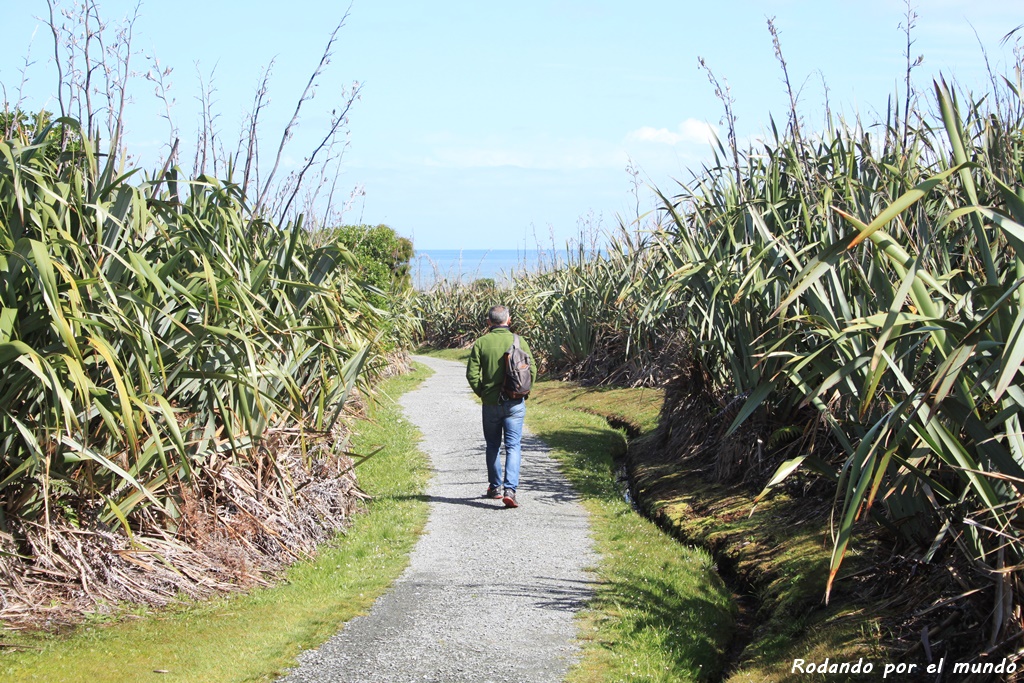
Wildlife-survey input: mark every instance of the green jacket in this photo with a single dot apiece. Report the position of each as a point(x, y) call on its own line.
point(484, 370)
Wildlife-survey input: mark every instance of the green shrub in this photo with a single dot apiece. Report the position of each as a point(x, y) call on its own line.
point(382, 254)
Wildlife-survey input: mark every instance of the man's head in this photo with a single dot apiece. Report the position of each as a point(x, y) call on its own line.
point(497, 316)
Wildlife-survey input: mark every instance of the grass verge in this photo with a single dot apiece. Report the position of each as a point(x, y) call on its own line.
point(780, 554)
point(255, 636)
point(661, 612)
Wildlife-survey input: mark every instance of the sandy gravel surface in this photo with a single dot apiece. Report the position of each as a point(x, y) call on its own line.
point(491, 592)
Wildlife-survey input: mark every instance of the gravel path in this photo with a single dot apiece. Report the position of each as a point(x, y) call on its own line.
point(491, 592)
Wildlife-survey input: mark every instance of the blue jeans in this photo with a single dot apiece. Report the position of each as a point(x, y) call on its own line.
point(504, 422)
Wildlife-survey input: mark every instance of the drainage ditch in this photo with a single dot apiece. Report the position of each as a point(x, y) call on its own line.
point(742, 592)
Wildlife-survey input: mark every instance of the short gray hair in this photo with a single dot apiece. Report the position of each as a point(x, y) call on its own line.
point(498, 315)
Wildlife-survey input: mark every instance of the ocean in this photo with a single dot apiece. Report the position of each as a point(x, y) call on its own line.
point(430, 265)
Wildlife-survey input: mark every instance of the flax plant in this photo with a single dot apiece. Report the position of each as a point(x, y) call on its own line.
point(152, 333)
point(879, 282)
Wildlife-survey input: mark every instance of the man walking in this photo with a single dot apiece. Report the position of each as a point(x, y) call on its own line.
point(502, 416)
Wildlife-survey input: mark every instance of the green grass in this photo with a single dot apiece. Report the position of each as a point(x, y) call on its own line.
point(635, 410)
point(661, 612)
point(461, 355)
point(255, 636)
point(780, 551)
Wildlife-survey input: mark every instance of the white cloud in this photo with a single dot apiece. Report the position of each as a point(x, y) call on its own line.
point(689, 131)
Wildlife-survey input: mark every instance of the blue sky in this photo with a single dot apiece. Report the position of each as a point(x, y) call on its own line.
point(487, 125)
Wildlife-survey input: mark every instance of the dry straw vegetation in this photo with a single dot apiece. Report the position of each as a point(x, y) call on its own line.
point(839, 311)
point(180, 354)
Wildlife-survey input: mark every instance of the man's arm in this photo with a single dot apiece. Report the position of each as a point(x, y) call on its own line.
point(473, 374)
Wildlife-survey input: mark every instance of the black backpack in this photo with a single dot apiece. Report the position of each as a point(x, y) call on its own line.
point(517, 371)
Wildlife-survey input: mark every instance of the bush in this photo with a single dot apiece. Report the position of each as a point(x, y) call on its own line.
point(382, 254)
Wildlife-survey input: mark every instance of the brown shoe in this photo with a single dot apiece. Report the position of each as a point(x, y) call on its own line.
point(509, 499)
point(493, 492)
